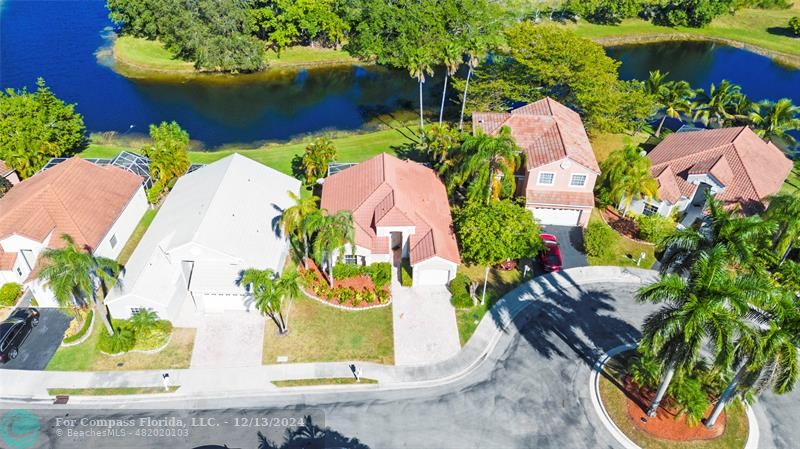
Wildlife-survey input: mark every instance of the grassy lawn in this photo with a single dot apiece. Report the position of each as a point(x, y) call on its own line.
point(500, 282)
point(764, 28)
point(150, 55)
point(615, 402)
point(604, 144)
point(86, 356)
point(349, 148)
point(316, 382)
point(109, 391)
point(321, 333)
point(136, 237)
point(792, 184)
point(625, 252)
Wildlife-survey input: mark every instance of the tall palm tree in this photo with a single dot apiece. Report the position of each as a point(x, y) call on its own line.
point(486, 162)
point(707, 305)
point(766, 359)
point(74, 274)
point(334, 233)
point(773, 120)
point(714, 106)
point(452, 60)
point(419, 65)
point(473, 59)
point(784, 210)
point(300, 220)
point(626, 173)
point(656, 82)
point(272, 294)
point(676, 99)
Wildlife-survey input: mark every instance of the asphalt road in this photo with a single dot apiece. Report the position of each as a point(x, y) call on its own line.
point(532, 392)
point(37, 350)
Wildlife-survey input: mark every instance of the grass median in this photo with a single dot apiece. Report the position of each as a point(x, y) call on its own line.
point(318, 382)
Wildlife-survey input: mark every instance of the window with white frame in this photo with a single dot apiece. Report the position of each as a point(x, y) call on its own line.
point(546, 178)
point(352, 259)
point(19, 271)
point(649, 209)
point(577, 180)
point(113, 240)
point(135, 310)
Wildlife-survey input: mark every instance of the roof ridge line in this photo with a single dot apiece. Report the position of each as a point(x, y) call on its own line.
point(213, 197)
point(48, 187)
point(744, 166)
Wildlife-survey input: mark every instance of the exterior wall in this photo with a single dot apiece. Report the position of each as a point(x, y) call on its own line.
point(716, 186)
point(406, 231)
point(435, 263)
point(123, 227)
point(121, 308)
point(369, 257)
point(664, 208)
point(563, 171)
point(44, 296)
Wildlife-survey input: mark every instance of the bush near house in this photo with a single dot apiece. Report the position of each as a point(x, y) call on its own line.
point(126, 337)
point(653, 228)
point(380, 272)
point(598, 239)
point(9, 293)
point(87, 321)
point(459, 288)
point(354, 285)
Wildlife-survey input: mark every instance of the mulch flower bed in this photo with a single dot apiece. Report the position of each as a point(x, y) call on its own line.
point(624, 225)
point(667, 424)
point(356, 291)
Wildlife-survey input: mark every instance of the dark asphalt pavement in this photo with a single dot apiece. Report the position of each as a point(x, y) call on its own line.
point(37, 350)
point(570, 240)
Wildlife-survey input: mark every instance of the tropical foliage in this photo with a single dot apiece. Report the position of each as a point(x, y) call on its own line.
point(794, 25)
point(169, 157)
point(272, 294)
point(674, 97)
point(9, 293)
point(484, 166)
point(37, 126)
point(301, 221)
point(625, 176)
point(334, 233)
point(316, 158)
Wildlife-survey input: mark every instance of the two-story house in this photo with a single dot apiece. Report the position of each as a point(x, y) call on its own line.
point(98, 206)
point(560, 167)
point(400, 209)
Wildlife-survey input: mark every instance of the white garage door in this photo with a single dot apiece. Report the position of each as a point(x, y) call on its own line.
point(431, 276)
point(559, 217)
point(220, 303)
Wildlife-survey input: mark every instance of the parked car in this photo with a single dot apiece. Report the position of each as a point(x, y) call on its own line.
point(15, 330)
point(551, 255)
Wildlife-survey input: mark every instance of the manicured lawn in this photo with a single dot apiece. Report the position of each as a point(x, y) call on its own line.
point(136, 237)
point(792, 184)
point(625, 250)
point(109, 391)
point(500, 282)
point(604, 144)
point(309, 57)
point(86, 356)
point(321, 333)
point(349, 147)
point(316, 382)
point(765, 28)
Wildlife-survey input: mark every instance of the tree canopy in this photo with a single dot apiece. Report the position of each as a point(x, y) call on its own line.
point(37, 126)
point(168, 154)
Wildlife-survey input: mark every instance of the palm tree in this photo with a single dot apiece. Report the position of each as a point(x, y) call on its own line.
point(144, 320)
point(297, 220)
point(74, 274)
point(318, 154)
point(656, 82)
point(474, 58)
point(715, 106)
point(272, 294)
point(784, 210)
point(334, 233)
point(451, 59)
point(419, 65)
point(708, 304)
point(626, 173)
point(766, 358)
point(773, 120)
point(486, 162)
point(676, 99)
point(742, 236)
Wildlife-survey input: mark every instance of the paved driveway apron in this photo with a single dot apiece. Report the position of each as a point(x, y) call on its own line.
point(425, 329)
point(229, 339)
point(36, 352)
point(570, 239)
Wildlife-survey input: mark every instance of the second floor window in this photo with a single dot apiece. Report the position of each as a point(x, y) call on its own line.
point(546, 178)
point(577, 180)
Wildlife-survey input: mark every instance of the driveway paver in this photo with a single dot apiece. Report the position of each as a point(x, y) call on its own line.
point(425, 329)
point(229, 339)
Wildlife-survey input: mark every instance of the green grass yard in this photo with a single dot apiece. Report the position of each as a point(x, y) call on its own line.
point(625, 250)
point(136, 237)
point(500, 282)
point(318, 382)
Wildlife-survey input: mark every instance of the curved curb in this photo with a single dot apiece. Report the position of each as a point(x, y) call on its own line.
point(141, 351)
point(597, 402)
point(84, 337)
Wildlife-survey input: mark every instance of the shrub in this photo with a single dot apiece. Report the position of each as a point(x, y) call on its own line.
point(405, 274)
point(459, 288)
point(87, 321)
point(654, 227)
point(794, 25)
point(347, 270)
point(688, 394)
point(9, 293)
point(381, 274)
point(382, 295)
point(123, 340)
point(598, 239)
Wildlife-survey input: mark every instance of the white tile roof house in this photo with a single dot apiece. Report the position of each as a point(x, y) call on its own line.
point(216, 222)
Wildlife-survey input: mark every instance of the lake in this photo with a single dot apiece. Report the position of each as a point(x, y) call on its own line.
point(60, 40)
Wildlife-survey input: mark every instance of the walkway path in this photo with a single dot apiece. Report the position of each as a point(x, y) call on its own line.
point(425, 329)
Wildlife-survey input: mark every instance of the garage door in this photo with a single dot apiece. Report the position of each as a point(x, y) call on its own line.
point(560, 217)
point(215, 303)
point(431, 276)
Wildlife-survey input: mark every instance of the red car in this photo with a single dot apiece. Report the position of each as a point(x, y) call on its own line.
point(551, 255)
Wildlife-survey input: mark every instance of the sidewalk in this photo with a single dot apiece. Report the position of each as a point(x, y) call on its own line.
point(200, 383)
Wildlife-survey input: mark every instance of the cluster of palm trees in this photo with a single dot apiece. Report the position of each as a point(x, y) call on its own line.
point(723, 105)
point(626, 176)
point(719, 293)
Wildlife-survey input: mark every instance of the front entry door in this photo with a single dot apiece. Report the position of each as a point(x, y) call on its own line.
point(396, 239)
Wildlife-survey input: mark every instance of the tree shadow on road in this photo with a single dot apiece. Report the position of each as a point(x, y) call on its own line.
point(311, 436)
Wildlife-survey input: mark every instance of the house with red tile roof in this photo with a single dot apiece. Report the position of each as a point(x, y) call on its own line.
point(732, 164)
point(401, 211)
point(98, 206)
point(560, 167)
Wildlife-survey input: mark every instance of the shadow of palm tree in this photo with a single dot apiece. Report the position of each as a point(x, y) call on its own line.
point(311, 436)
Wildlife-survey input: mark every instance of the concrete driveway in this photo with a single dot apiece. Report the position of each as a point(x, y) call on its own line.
point(36, 352)
point(570, 240)
point(425, 329)
point(229, 339)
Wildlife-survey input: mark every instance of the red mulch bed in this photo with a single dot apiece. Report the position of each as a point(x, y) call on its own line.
point(666, 424)
point(624, 225)
point(358, 283)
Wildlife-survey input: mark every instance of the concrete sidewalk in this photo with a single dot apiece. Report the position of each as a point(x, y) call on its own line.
point(203, 383)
